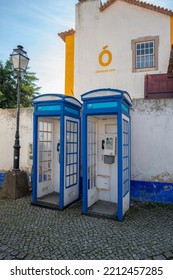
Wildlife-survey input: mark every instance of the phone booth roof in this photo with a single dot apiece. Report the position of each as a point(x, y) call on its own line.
point(57, 97)
point(105, 93)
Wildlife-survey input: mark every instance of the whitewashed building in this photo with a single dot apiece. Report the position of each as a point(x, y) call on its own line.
point(116, 44)
point(127, 45)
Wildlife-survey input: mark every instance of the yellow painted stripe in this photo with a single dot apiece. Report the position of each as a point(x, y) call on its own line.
point(69, 65)
point(171, 30)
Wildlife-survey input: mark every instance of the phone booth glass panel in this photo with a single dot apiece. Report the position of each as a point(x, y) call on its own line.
point(56, 150)
point(106, 152)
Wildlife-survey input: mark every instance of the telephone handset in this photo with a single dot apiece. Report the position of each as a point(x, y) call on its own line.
point(103, 144)
point(58, 150)
point(58, 147)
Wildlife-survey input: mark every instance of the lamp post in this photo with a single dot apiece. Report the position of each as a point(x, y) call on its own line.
point(16, 181)
point(20, 62)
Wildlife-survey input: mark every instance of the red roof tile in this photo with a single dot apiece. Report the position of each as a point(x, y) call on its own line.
point(63, 35)
point(140, 4)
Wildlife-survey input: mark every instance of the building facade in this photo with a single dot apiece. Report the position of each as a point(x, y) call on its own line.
point(127, 45)
point(116, 44)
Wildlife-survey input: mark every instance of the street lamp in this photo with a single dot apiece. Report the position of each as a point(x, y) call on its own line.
point(20, 62)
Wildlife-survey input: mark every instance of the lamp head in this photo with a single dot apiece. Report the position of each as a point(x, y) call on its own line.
point(19, 59)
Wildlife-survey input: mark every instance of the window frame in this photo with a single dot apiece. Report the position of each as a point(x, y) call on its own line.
point(141, 40)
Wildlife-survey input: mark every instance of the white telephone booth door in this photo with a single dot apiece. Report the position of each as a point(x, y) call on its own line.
point(71, 160)
point(102, 173)
point(48, 160)
point(92, 161)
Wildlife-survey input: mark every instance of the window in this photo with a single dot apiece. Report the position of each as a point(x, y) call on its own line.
point(45, 151)
point(71, 153)
point(145, 54)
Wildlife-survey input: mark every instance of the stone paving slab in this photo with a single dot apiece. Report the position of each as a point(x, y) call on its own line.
point(28, 232)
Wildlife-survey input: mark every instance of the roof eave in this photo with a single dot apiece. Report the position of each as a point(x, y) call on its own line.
point(140, 4)
point(64, 34)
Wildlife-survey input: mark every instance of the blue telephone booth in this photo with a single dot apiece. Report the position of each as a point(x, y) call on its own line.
point(106, 152)
point(56, 135)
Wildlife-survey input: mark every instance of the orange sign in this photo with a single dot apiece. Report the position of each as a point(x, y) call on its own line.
point(105, 57)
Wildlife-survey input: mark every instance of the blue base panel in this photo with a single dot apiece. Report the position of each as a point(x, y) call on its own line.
point(2, 177)
point(151, 191)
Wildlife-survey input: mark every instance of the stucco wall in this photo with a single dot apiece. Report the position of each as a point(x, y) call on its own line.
point(152, 136)
point(115, 27)
point(7, 137)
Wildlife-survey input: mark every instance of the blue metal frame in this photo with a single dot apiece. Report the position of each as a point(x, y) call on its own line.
point(34, 175)
point(84, 163)
point(60, 106)
point(126, 145)
point(96, 102)
point(61, 202)
point(120, 167)
point(130, 139)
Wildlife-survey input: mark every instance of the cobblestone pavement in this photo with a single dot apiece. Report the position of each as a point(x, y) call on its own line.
point(29, 232)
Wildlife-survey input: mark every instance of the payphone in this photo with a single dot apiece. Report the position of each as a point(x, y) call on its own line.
point(109, 149)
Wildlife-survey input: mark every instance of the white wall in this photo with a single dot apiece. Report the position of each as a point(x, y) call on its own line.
point(7, 137)
point(116, 26)
point(152, 140)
